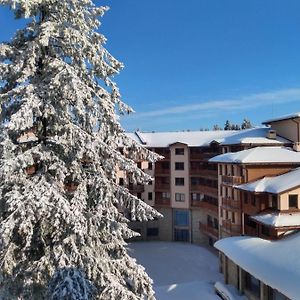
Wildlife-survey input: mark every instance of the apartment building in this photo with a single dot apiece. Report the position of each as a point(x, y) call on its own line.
point(185, 186)
point(185, 189)
point(259, 192)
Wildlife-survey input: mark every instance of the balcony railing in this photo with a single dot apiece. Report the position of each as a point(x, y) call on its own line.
point(205, 189)
point(204, 172)
point(232, 180)
point(162, 171)
point(162, 186)
point(232, 229)
point(209, 230)
point(205, 205)
point(231, 203)
point(162, 201)
point(202, 156)
point(136, 188)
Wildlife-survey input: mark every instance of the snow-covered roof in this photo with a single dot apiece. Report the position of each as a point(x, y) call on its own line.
point(259, 155)
point(256, 136)
point(282, 118)
point(274, 185)
point(190, 138)
point(279, 219)
point(276, 263)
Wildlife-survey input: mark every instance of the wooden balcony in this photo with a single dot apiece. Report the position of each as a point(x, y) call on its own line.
point(209, 230)
point(205, 205)
point(232, 180)
point(162, 186)
point(232, 229)
point(161, 171)
point(204, 172)
point(136, 188)
point(202, 156)
point(165, 202)
point(230, 203)
point(204, 189)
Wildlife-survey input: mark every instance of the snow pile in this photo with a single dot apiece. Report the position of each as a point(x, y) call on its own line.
point(276, 263)
point(259, 155)
point(274, 185)
point(179, 271)
point(278, 219)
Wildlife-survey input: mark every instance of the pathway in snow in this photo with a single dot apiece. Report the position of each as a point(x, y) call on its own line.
point(179, 271)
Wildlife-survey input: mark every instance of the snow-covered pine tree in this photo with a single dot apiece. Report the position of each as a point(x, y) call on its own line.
point(62, 228)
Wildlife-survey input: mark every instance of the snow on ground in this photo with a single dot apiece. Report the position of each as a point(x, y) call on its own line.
point(180, 271)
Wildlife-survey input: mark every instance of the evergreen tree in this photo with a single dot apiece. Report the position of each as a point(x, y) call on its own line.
point(246, 124)
point(227, 125)
point(62, 215)
point(216, 127)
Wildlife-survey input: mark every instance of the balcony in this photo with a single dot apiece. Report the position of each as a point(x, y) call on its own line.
point(204, 172)
point(209, 230)
point(205, 189)
point(161, 171)
point(136, 188)
point(232, 180)
point(205, 205)
point(202, 156)
point(230, 203)
point(166, 202)
point(162, 186)
point(232, 229)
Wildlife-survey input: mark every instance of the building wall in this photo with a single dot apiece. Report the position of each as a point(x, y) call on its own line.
point(179, 174)
point(257, 172)
point(198, 237)
point(284, 199)
point(287, 129)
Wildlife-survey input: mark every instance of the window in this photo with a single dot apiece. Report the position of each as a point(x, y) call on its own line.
point(179, 197)
point(216, 223)
point(150, 166)
point(246, 198)
point(179, 181)
point(179, 151)
point(252, 284)
point(181, 218)
point(249, 222)
point(121, 181)
point(265, 230)
point(197, 196)
point(139, 165)
point(150, 197)
point(139, 195)
point(152, 231)
point(293, 201)
point(233, 217)
point(274, 201)
point(179, 166)
point(165, 195)
point(209, 220)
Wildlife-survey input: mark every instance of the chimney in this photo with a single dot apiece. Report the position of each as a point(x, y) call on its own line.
point(271, 134)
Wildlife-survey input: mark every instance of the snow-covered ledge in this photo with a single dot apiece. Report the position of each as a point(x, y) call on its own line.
point(275, 263)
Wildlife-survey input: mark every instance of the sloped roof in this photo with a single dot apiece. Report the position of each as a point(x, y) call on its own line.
point(284, 117)
point(254, 136)
point(276, 263)
point(259, 155)
point(274, 185)
point(190, 138)
point(278, 219)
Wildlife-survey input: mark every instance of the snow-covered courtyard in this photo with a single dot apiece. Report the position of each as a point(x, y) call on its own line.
point(180, 271)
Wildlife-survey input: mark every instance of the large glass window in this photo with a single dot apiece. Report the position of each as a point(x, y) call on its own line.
point(181, 235)
point(181, 218)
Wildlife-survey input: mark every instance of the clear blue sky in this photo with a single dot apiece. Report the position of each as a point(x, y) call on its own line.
point(191, 64)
